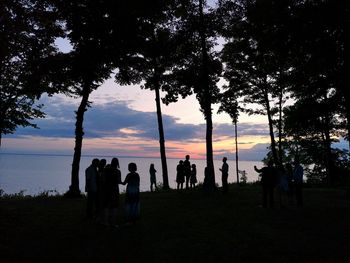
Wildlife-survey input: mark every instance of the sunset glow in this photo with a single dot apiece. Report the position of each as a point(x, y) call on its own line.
point(122, 122)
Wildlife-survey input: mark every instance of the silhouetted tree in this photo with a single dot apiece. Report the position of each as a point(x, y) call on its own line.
point(256, 58)
point(309, 136)
point(230, 105)
point(318, 52)
point(197, 67)
point(88, 63)
point(152, 60)
point(28, 30)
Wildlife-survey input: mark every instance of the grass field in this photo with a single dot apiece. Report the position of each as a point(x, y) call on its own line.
point(187, 226)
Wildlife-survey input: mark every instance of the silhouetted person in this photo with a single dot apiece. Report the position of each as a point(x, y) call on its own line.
point(102, 164)
point(289, 172)
point(111, 178)
point(187, 170)
point(268, 181)
point(298, 174)
point(282, 185)
point(180, 175)
point(100, 168)
point(193, 179)
point(153, 179)
point(224, 175)
point(91, 188)
point(132, 196)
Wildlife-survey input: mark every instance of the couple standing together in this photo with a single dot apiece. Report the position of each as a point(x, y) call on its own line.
point(102, 188)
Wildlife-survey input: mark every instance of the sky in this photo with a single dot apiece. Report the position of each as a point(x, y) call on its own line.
point(122, 121)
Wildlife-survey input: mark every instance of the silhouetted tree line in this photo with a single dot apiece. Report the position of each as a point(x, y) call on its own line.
point(285, 59)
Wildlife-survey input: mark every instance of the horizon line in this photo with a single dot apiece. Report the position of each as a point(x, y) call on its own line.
point(109, 156)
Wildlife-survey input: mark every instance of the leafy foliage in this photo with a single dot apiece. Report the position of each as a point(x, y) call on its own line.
point(28, 30)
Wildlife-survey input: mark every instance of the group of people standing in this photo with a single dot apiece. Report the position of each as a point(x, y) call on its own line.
point(185, 172)
point(102, 187)
point(288, 180)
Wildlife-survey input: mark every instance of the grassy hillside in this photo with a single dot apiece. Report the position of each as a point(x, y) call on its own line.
point(187, 226)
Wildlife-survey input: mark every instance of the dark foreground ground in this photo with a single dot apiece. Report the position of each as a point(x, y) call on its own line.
point(180, 227)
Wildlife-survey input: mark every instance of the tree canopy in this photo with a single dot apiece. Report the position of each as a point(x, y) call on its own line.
point(279, 58)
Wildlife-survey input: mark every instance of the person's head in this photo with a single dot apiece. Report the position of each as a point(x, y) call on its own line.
point(102, 163)
point(296, 160)
point(224, 159)
point(281, 168)
point(132, 167)
point(152, 166)
point(181, 162)
point(193, 166)
point(95, 162)
point(270, 163)
point(115, 163)
point(187, 157)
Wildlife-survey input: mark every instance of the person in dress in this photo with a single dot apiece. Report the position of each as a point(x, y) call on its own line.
point(224, 175)
point(187, 170)
point(180, 175)
point(193, 179)
point(111, 178)
point(153, 179)
point(132, 196)
point(91, 188)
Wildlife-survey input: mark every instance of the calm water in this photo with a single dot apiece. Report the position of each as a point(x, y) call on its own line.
point(37, 173)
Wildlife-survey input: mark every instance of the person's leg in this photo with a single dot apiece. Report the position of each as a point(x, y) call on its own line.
point(89, 204)
point(299, 194)
point(271, 196)
point(264, 196)
point(225, 184)
point(105, 216)
point(113, 216)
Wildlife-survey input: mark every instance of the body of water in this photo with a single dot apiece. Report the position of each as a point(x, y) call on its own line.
point(34, 174)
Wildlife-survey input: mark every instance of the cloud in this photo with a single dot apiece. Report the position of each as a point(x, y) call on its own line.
point(115, 128)
point(256, 153)
point(243, 129)
point(106, 120)
point(117, 119)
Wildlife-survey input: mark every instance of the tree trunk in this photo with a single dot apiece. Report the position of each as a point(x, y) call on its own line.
point(74, 190)
point(328, 143)
point(236, 143)
point(347, 108)
point(209, 148)
point(161, 140)
point(160, 121)
point(272, 135)
point(280, 102)
point(206, 102)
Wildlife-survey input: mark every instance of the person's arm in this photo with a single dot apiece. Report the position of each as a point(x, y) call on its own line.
point(257, 170)
point(87, 180)
point(125, 180)
point(119, 177)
